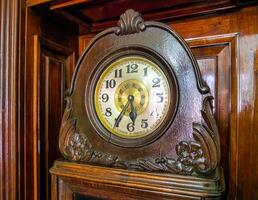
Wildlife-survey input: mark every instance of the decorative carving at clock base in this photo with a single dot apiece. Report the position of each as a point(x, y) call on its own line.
point(199, 157)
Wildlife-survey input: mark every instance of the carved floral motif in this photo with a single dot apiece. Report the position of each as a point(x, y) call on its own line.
point(201, 156)
point(75, 146)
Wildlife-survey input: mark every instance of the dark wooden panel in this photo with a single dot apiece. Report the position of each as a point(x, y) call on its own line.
point(98, 15)
point(52, 87)
point(102, 14)
point(214, 59)
point(108, 10)
point(50, 33)
point(242, 92)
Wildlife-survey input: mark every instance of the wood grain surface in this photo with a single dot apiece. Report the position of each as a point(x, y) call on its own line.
point(226, 49)
point(225, 45)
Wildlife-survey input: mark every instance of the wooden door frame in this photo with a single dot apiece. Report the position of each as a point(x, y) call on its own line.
point(11, 62)
point(18, 98)
point(33, 135)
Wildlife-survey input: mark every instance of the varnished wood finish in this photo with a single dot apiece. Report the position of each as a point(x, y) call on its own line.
point(107, 183)
point(9, 59)
point(69, 3)
point(216, 58)
point(52, 78)
point(80, 141)
point(98, 15)
point(47, 40)
point(241, 24)
point(37, 2)
point(226, 49)
point(188, 144)
point(242, 121)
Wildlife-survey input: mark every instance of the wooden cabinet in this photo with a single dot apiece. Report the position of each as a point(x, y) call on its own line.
point(184, 148)
point(41, 41)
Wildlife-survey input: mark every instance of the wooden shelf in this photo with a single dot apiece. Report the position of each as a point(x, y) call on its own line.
point(96, 181)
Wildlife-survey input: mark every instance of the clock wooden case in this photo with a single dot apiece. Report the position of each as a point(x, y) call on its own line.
point(138, 106)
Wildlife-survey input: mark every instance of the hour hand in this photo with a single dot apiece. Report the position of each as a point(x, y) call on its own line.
point(120, 116)
point(133, 113)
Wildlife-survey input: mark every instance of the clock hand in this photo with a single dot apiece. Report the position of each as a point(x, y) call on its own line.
point(133, 113)
point(120, 116)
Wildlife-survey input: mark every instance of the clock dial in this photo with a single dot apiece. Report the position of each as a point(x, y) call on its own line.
point(132, 97)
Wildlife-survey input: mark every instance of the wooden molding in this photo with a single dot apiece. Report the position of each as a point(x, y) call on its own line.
point(39, 43)
point(9, 44)
point(37, 2)
point(68, 3)
point(230, 41)
point(165, 185)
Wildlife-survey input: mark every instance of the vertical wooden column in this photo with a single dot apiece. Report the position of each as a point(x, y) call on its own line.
point(9, 16)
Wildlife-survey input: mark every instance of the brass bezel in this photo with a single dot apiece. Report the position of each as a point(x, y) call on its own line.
point(97, 106)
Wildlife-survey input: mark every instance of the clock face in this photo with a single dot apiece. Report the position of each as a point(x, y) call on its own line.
point(132, 97)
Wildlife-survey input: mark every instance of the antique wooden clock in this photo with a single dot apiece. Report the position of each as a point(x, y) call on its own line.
point(139, 122)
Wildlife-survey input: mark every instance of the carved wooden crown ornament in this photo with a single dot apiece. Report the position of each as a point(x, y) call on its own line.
point(187, 143)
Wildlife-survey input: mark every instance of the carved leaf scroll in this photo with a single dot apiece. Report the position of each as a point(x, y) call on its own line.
point(130, 22)
point(199, 157)
point(75, 146)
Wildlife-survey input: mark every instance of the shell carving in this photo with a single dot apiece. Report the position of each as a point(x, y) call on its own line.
point(130, 22)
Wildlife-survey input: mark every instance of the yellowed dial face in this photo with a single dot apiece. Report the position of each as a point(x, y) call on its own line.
point(132, 97)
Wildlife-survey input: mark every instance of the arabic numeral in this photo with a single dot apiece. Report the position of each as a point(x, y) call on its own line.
point(108, 112)
point(118, 73)
point(156, 82)
point(145, 70)
point(130, 127)
point(110, 83)
point(144, 123)
point(105, 97)
point(160, 97)
point(133, 68)
point(154, 113)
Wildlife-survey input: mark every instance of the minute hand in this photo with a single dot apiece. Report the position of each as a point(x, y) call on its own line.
point(120, 116)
